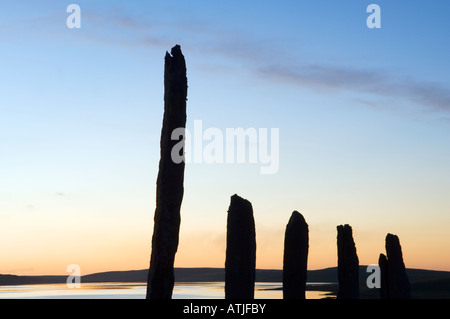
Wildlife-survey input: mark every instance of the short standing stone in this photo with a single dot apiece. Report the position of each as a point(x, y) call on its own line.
point(241, 250)
point(348, 264)
point(383, 264)
point(295, 258)
point(398, 282)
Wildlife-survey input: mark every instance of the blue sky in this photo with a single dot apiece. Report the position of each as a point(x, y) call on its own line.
point(364, 119)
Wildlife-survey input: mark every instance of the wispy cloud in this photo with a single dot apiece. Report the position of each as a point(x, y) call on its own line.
point(264, 58)
point(275, 62)
point(432, 96)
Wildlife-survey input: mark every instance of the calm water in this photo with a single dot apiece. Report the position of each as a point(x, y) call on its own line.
point(108, 290)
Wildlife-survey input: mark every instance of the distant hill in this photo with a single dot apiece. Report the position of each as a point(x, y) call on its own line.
point(207, 275)
point(181, 275)
point(424, 283)
point(9, 280)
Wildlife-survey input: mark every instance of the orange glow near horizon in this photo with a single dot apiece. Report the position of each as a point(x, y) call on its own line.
point(126, 244)
point(195, 252)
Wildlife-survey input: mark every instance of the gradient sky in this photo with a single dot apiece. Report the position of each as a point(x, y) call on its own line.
point(364, 119)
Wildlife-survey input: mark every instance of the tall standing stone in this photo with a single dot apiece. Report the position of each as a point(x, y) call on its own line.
point(169, 185)
point(241, 250)
point(295, 258)
point(348, 264)
point(398, 286)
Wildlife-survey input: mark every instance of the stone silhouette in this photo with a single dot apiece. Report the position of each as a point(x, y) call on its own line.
point(394, 281)
point(296, 243)
point(169, 185)
point(382, 263)
point(348, 264)
point(241, 250)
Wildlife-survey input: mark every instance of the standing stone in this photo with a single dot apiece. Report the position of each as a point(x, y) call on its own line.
point(383, 264)
point(295, 257)
point(397, 281)
point(241, 250)
point(348, 264)
point(169, 185)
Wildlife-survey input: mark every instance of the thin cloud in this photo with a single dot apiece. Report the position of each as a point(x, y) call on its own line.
point(261, 56)
point(263, 59)
point(323, 77)
point(433, 96)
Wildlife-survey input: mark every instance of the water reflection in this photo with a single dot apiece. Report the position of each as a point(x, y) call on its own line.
point(109, 290)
